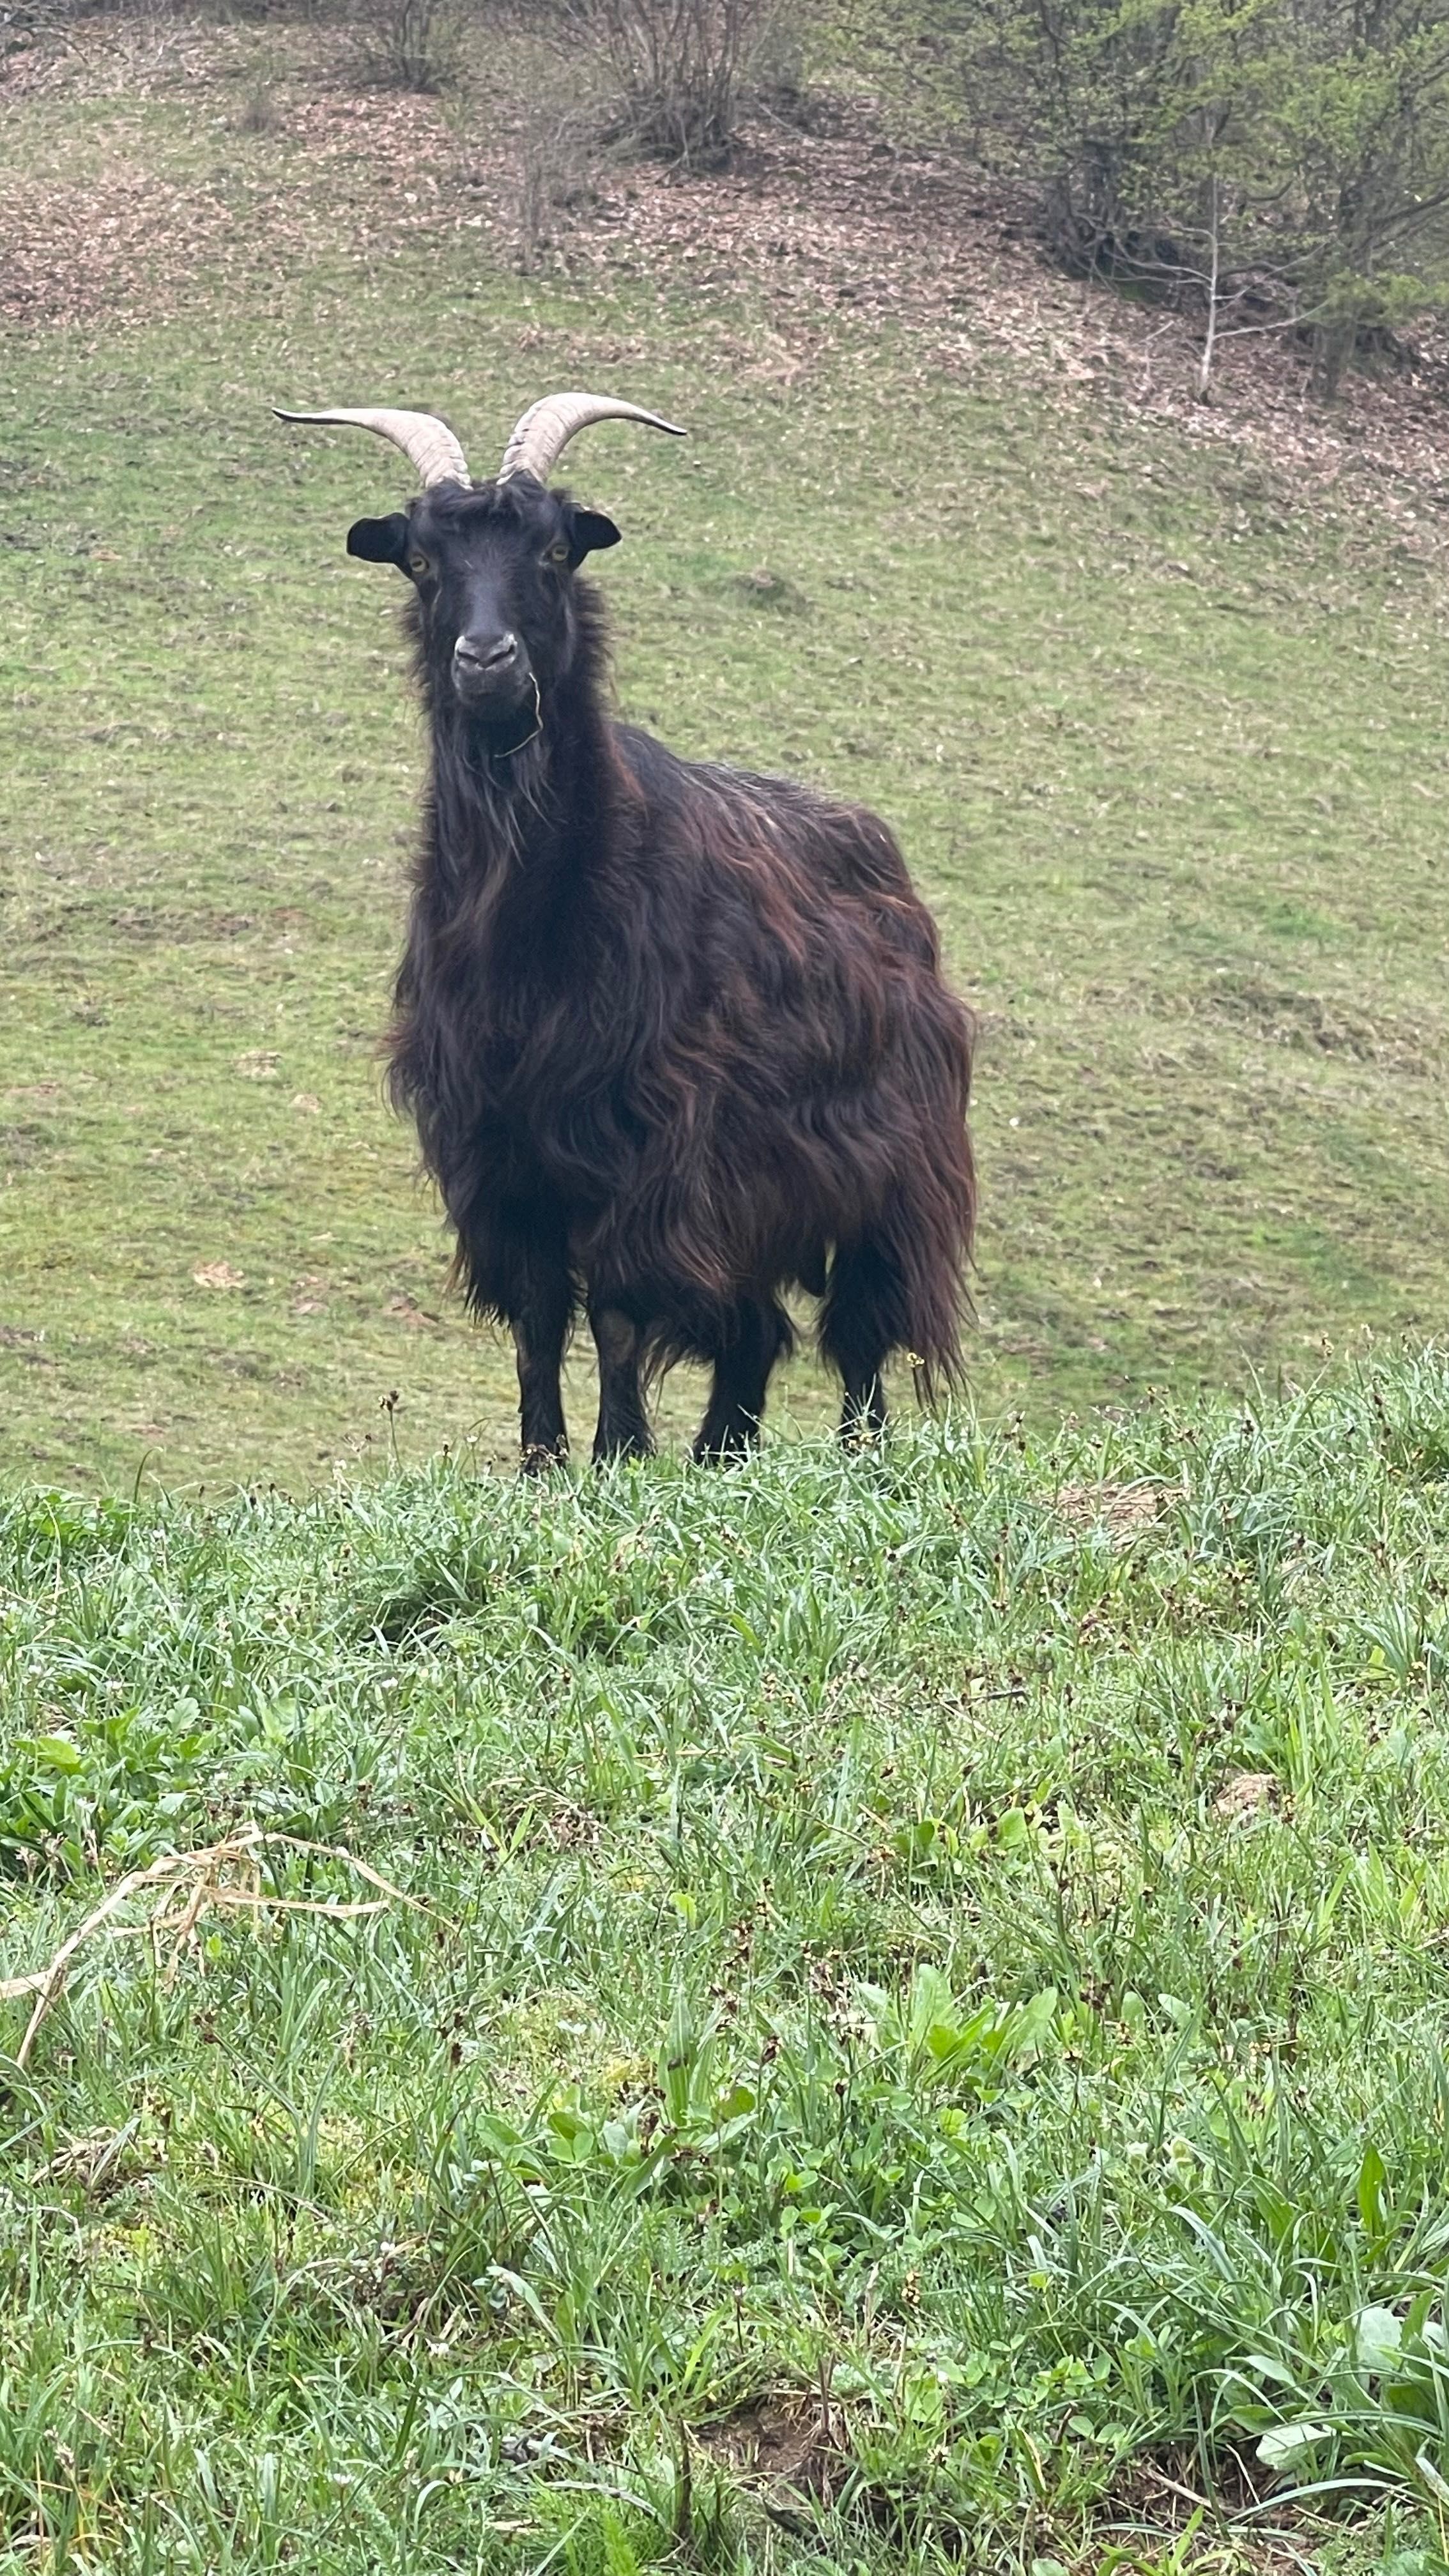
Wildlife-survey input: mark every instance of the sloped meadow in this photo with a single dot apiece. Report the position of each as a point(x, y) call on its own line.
point(878, 2007)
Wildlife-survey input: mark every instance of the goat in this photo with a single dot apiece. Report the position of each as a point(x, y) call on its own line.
point(674, 1036)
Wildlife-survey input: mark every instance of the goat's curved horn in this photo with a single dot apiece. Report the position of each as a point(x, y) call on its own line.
point(547, 427)
point(427, 442)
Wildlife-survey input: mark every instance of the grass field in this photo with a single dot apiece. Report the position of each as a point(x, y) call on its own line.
point(1163, 742)
point(861, 2014)
point(910, 2031)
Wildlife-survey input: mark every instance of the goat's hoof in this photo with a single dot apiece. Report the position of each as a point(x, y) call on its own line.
point(540, 1461)
point(859, 1436)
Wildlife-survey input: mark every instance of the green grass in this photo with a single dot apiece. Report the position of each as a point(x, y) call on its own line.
point(933, 1963)
point(1164, 746)
point(954, 1938)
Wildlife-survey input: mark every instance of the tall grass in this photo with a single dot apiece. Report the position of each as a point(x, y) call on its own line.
point(944, 1946)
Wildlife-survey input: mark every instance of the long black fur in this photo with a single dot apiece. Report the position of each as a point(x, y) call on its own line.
point(675, 1037)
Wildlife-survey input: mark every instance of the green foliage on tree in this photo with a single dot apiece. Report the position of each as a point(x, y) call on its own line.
point(1277, 164)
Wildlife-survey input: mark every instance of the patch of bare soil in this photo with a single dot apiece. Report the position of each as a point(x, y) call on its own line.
point(782, 2451)
point(1233, 2530)
point(823, 227)
point(1246, 1796)
point(1315, 1024)
point(788, 2454)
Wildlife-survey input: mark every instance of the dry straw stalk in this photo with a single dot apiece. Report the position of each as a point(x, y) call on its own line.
point(222, 1877)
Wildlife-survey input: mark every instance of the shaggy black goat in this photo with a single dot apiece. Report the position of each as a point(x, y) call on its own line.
point(675, 1037)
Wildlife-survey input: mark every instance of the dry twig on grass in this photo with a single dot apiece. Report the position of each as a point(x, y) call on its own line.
point(1122, 1511)
point(223, 1876)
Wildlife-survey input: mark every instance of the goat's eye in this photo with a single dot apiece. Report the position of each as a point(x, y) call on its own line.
point(419, 566)
point(559, 554)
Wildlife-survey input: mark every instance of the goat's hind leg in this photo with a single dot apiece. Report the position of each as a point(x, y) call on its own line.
point(623, 1430)
point(759, 1330)
point(859, 1329)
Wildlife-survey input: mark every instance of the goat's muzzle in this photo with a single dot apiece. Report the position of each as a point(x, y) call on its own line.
point(492, 674)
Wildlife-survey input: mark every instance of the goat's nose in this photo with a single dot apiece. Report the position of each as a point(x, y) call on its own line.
point(487, 652)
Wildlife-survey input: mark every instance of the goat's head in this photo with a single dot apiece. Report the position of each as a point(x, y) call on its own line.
point(491, 568)
point(492, 564)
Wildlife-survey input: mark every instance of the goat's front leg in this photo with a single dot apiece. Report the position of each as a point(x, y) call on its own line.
point(540, 1310)
point(540, 1331)
point(623, 1430)
point(543, 1431)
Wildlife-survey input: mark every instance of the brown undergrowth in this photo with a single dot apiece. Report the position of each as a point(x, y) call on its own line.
point(827, 223)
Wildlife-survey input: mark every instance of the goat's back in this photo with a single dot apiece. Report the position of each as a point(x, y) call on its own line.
point(797, 1062)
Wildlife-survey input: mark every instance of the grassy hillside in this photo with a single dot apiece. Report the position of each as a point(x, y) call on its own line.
point(1164, 744)
point(906, 2028)
point(863, 2014)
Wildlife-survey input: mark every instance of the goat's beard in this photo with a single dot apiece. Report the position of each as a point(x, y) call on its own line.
point(501, 736)
point(496, 733)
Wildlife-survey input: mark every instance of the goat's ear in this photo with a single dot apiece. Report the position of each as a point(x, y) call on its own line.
point(379, 540)
point(589, 532)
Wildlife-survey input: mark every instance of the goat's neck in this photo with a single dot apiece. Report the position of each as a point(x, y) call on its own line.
point(520, 820)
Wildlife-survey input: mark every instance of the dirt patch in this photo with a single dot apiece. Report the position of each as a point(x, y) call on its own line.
point(1313, 1023)
point(788, 2454)
point(1225, 2529)
point(406, 1310)
point(784, 2451)
point(1245, 1795)
point(151, 925)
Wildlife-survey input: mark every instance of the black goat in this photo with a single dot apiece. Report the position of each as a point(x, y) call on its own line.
point(675, 1037)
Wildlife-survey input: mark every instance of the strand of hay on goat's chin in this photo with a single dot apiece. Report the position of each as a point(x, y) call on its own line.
point(185, 1885)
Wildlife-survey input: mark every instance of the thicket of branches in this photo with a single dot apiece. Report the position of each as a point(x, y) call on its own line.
point(677, 71)
point(1276, 164)
point(666, 78)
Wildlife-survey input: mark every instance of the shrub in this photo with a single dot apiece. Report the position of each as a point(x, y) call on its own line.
point(1273, 164)
point(410, 44)
point(677, 71)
